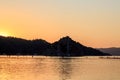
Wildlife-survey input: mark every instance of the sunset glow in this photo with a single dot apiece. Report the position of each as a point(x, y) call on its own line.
point(4, 34)
point(94, 23)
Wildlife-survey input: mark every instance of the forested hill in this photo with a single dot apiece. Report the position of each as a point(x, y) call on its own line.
point(64, 47)
point(13, 46)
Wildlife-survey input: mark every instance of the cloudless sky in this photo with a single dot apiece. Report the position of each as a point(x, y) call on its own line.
point(94, 23)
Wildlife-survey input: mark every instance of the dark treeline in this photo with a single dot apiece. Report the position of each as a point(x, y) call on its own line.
point(13, 46)
point(64, 47)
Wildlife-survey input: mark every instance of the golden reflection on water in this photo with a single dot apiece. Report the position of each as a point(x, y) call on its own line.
point(54, 68)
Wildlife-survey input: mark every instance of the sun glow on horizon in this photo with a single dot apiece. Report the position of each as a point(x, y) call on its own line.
point(4, 34)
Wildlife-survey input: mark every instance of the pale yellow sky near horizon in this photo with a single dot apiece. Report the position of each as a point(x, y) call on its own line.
point(94, 23)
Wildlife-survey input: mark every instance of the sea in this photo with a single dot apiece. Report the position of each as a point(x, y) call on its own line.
point(59, 68)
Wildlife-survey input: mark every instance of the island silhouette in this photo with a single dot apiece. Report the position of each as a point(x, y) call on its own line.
point(63, 47)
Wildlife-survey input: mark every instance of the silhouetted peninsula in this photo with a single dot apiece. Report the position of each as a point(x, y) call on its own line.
point(64, 47)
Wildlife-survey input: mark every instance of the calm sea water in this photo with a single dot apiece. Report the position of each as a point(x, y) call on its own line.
point(55, 68)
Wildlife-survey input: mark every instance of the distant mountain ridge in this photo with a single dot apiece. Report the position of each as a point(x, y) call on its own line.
point(113, 50)
point(64, 47)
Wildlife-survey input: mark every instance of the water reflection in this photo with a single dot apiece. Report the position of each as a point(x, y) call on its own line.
point(65, 68)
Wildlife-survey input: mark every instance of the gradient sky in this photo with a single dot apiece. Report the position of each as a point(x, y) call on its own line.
point(94, 23)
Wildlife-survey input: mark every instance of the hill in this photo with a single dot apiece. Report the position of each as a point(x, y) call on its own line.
point(113, 51)
point(68, 47)
point(18, 46)
point(64, 47)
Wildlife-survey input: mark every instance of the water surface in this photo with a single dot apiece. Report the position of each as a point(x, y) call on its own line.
point(55, 68)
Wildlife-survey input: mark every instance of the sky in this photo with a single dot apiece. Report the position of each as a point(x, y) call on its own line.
point(94, 23)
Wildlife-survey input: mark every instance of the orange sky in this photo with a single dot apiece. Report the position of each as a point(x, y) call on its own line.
point(94, 23)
